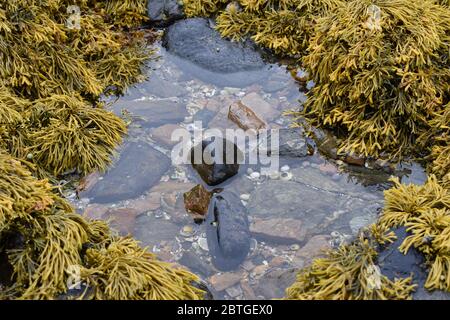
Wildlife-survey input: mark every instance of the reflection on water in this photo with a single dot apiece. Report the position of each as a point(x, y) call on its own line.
point(310, 204)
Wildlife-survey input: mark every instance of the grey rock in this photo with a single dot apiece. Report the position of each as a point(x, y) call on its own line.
point(275, 282)
point(163, 88)
point(163, 12)
point(291, 143)
point(227, 230)
point(150, 231)
point(196, 264)
point(139, 168)
point(221, 61)
point(153, 113)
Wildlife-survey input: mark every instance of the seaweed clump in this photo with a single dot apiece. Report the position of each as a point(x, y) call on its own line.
point(56, 61)
point(282, 26)
point(52, 241)
point(382, 73)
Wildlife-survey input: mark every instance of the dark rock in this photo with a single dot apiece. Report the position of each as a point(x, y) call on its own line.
point(394, 264)
point(196, 41)
point(291, 143)
point(153, 113)
point(163, 12)
point(139, 168)
point(215, 169)
point(227, 231)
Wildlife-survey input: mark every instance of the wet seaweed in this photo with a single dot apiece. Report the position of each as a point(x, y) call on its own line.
point(51, 122)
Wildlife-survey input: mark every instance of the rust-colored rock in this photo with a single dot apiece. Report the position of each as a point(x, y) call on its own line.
point(196, 201)
point(245, 117)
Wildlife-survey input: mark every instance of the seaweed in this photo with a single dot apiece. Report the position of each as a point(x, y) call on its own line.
point(348, 273)
point(52, 121)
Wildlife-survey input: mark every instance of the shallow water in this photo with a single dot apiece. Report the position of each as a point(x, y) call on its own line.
point(320, 204)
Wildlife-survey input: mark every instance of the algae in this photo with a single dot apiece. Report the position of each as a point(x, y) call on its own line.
point(51, 121)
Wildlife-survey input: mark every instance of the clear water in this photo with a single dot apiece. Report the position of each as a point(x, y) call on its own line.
point(319, 204)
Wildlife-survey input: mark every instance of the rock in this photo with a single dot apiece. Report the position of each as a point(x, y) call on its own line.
point(122, 220)
point(196, 264)
point(151, 231)
point(95, 211)
point(291, 143)
point(163, 12)
point(247, 290)
point(278, 230)
point(139, 168)
point(328, 168)
point(150, 114)
point(162, 88)
point(197, 200)
point(355, 160)
point(359, 222)
point(314, 248)
point(227, 231)
point(222, 281)
point(200, 50)
point(234, 291)
point(274, 283)
point(256, 103)
point(215, 169)
point(245, 117)
point(195, 40)
point(163, 134)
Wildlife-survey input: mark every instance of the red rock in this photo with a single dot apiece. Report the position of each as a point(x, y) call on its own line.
point(328, 168)
point(122, 219)
point(197, 200)
point(225, 280)
point(245, 117)
point(355, 160)
point(279, 229)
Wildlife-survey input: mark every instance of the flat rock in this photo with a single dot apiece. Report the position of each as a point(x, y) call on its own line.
point(222, 281)
point(150, 231)
point(139, 168)
point(313, 248)
point(278, 230)
point(163, 134)
point(163, 12)
point(200, 50)
point(260, 106)
point(275, 282)
point(290, 142)
point(153, 113)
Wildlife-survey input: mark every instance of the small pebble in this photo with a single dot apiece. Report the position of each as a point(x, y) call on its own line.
point(339, 162)
point(202, 243)
point(254, 175)
point(286, 176)
point(284, 168)
point(274, 175)
point(294, 247)
point(188, 119)
point(187, 231)
point(245, 196)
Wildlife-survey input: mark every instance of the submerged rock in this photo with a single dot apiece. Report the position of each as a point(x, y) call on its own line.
point(196, 201)
point(139, 168)
point(150, 114)
point(291, 143)
point(196, 41)
point(215, 168)
point(227, 231)
point(245, 117)
point(163, 12)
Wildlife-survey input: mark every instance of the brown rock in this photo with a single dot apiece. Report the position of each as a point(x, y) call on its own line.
point(280, 230)
point(122, 219)
point(314, 248)
point(87, 182)
point(225, 280)
point(355, 160)
point(259, 271)
point(256, 103)
point(95, 211)
point(249, 294)
point(197, 200)
point(328, 168)
point(163, 134)
point(277, 262)
point(148, 202)
point(245, 117)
